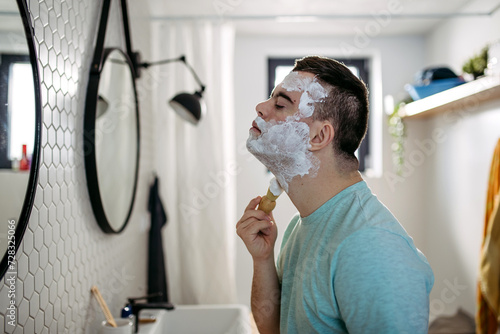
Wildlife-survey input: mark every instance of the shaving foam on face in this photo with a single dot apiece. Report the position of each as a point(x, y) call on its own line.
point(283, 147)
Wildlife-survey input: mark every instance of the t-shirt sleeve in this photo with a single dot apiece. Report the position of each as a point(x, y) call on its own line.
point(382, 284)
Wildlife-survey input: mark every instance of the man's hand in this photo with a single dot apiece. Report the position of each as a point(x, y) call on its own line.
point(258, 231)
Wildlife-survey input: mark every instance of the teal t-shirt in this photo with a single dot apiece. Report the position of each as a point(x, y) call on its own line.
point(350, 267)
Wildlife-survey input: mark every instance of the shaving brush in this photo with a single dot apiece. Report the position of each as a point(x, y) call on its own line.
point(268, 201)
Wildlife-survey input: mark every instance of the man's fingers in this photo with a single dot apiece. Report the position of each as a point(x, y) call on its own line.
point(251, 212)
point(255, 227)
point(253, 203)
point(249, 215)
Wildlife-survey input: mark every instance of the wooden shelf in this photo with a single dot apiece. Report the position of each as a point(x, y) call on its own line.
point(465, 96)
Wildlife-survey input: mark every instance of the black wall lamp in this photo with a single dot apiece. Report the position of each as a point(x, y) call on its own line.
point(190, 107)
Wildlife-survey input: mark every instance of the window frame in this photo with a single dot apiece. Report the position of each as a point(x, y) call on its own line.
point(6, 61)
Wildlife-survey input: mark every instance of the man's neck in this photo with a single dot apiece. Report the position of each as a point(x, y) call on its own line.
point(309, 193)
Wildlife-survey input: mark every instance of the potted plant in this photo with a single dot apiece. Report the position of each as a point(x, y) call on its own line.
point(477, 64)
point(397, 130)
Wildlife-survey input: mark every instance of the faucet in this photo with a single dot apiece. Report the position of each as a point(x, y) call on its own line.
point(137, 307)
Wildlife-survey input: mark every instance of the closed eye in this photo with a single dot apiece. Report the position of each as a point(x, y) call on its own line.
point(282, 102)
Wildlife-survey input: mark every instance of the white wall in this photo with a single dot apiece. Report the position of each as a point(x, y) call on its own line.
point(397, 59)
point(456, 180)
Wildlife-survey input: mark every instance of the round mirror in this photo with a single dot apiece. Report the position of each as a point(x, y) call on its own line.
point(20, 127)
point(111, 137)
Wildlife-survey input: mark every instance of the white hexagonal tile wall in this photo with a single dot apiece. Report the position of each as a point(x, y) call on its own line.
point(64, 252)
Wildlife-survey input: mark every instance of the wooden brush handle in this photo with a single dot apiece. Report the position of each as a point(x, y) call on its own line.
point(104, 307)
point(268, 202)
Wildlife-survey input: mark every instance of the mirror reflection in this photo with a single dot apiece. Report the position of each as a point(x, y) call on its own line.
point(116, 140)
point(17, 118)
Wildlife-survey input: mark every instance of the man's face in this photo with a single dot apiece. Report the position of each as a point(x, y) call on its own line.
point(279, 136)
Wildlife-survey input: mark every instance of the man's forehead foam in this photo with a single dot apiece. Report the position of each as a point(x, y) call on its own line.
point(296, 81)
point(312, 90)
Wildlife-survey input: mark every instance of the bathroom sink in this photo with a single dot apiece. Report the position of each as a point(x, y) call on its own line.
point(198, 319)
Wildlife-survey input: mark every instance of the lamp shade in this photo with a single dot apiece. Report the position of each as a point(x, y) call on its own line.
point(190, 107)
point(102, 106)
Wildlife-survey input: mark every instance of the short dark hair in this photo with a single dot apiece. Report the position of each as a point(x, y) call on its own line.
point(346, 105)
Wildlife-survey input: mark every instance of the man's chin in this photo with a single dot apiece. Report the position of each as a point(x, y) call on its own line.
point(252, 135)
point(255, 132)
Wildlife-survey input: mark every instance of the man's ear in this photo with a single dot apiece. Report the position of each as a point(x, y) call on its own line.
point(322, 134)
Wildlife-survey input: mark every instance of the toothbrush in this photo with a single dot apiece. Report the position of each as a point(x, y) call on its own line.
point(268, 201)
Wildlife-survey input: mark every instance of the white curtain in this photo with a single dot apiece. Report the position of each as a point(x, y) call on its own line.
point(196, 165)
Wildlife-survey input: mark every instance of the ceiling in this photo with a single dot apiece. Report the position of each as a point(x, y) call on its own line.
point(322, 17)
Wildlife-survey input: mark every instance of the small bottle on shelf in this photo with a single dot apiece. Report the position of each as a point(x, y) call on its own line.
point(24, 164)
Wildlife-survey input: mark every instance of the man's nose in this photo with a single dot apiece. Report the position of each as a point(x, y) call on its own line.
point(263, 109)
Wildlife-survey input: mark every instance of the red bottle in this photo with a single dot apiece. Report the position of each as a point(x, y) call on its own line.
point(24, 163)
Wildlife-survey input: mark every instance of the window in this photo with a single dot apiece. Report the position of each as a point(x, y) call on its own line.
point(278, 68)
point(17, 102)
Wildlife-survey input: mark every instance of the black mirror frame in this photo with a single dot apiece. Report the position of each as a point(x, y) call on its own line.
point(89, 135)
point(14, 240)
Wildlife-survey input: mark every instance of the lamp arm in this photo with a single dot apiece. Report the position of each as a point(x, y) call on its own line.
point(181, 59)
point(160, 62)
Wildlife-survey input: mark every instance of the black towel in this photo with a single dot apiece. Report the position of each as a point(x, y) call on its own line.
point(157, 274)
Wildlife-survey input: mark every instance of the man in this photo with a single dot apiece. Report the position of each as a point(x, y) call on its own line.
point(346, 265)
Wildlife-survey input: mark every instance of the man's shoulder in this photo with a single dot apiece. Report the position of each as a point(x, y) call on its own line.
point(385, 235)
point(379, 249)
